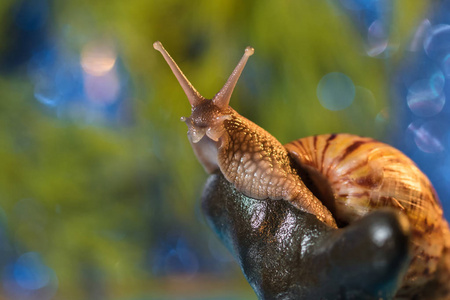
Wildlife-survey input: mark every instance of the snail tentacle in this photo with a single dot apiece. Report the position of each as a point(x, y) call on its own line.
point(194, 97)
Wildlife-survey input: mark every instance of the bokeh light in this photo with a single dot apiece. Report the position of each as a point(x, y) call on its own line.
point(377, 38)
point(30, 273)
point(87, 87)
point(425, 97)
point(419, 35)
point(437, 42)
point(428, 136)
point(103, 89)
point(336, 91)
point(29, 278)
point(98, 58)
point(382, 117)
point(373, 19)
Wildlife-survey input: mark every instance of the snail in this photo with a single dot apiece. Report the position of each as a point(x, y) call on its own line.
point(339, 178)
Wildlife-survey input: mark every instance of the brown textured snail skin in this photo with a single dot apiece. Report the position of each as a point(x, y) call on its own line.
point(351, 176)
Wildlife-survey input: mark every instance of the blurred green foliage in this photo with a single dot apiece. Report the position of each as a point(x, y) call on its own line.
point(96, 197)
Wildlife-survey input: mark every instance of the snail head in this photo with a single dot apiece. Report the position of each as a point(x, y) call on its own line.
point(207, 115)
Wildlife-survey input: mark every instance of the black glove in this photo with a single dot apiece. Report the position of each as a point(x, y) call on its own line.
point(289, 254)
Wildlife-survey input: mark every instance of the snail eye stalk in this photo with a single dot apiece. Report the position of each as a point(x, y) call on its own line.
point(193, 96)
point(222, 98)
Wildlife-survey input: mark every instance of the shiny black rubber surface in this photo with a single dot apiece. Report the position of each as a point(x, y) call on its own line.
point(288, 254)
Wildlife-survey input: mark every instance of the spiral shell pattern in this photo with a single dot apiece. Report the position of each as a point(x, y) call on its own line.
point(365, 174)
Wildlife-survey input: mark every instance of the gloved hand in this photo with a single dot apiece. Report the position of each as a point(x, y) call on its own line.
point(289, 254)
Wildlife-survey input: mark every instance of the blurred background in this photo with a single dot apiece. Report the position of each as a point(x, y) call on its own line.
point(99, 188)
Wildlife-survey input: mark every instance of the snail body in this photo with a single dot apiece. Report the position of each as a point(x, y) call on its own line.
point(248, 156)
point(350, 175)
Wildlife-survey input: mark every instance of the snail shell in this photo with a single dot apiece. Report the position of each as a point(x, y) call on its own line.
point(364, 174)
point(350, 176)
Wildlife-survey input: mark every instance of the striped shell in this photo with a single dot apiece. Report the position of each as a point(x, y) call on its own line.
point(364, 174)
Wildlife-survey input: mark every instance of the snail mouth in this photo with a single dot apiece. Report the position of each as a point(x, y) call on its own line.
point(196, 134)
